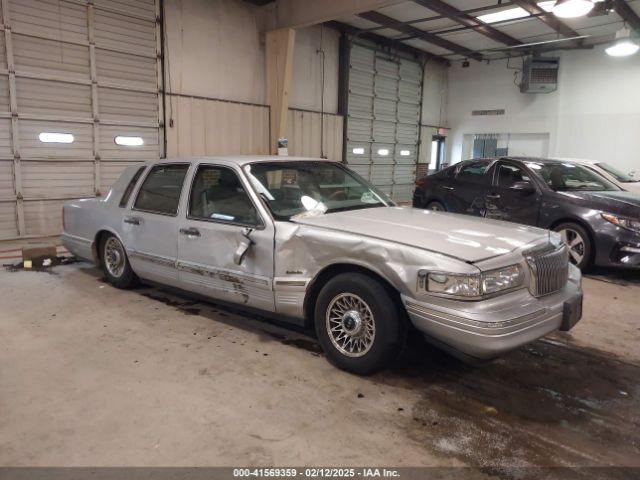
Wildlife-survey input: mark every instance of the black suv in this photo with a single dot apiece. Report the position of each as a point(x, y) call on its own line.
point(597, 220)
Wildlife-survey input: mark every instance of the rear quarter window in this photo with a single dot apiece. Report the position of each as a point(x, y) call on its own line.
point(129, 190)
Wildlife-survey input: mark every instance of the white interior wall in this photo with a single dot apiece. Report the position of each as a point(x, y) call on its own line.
point(595, 113)
point(434, 106)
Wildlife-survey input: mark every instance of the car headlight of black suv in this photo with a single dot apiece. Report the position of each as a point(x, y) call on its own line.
point(622, 222)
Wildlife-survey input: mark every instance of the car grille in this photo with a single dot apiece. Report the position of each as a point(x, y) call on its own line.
point(549, 269)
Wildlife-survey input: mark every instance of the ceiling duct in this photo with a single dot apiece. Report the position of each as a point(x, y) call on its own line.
point(540, 75)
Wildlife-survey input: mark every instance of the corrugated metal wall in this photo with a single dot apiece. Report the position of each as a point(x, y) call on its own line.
point(202, 126)
point(84, 68)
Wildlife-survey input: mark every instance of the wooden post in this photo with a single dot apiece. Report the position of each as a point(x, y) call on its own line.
point(280, 45)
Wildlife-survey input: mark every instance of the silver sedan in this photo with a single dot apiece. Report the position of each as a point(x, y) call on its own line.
point(312, 243)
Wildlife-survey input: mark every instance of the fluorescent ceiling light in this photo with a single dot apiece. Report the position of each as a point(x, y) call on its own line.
point(513, 13)
point(405, 153)
point(572, 8)
point(383, 152)
point(624, 45)
point(358, 151)
point(129, 141)
point(52, 137)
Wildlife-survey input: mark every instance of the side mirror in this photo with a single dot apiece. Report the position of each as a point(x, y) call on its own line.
point(525, 188)
point(244, 244)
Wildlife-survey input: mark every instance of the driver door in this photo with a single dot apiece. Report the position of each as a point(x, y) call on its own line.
point(220, 217)
point(504, 202)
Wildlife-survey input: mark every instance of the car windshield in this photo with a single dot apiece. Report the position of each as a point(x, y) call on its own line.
point(566, 177)
point(617, 174)
point(292, 188)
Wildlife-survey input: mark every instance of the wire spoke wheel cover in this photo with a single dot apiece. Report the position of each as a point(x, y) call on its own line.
point(575, 243)
point(114, 257)
point(350, 325)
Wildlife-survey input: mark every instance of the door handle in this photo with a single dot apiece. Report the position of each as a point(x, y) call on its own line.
point(493, 196)
point(447, 188)
point(192, 232)
point(132, 220)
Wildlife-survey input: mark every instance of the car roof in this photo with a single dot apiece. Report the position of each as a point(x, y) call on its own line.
point(238, 159)
point(521, 159)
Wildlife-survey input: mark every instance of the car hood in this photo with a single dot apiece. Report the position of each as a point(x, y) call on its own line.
point(464, 237)
point(621, 203)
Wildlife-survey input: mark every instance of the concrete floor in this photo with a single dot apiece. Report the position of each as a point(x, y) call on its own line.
point(95, 376)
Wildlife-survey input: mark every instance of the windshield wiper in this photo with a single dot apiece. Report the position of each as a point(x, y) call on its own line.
point(354, 207)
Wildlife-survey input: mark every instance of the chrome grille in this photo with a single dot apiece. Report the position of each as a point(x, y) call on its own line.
point(549, 269)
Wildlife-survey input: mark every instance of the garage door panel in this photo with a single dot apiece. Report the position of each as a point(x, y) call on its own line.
point(6, 150)
point(49, 57)
point(386, 88)
point(362, 58)
point(140, 8)
point(110, 150)
point(4, 94)
point(7, 189)
point(127, 106)
point(384, 131)
point(57, 179)
point(353, 153)
point(125, 69)
point(384, 110)
point(3, 53)
point(404, 173)
point(403, 193)
point(32, 147)
point(125, 33)
point(54, 19)
point(381, 174)
point(382, 153)
point(8, 220)
point(361, 82)
point(406, 154)
point(43, 217)
point(360, 106)
point(386, 68)
point(409, 92)
point(54, 99)
point(110, 172)
point(408, 113)
point(410, 71)
point(359, 129)
point(407, 133)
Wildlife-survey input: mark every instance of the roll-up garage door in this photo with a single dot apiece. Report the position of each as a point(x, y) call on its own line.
point(79, 102)
point(383, 119)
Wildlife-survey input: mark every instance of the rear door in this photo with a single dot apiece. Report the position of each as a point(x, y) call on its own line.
point(503, 202)
point(467, 191)
point(150, 227)
point(221, 214)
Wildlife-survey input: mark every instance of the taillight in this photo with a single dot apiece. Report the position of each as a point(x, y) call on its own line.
point(421, 182)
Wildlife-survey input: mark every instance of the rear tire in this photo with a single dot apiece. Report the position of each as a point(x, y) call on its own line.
point(579, 243)
point(358, 323)
point(115, 263)
point(436, 206)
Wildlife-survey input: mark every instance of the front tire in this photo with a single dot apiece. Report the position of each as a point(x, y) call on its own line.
point(578, 241)
point(358, 323)
point(115, 263)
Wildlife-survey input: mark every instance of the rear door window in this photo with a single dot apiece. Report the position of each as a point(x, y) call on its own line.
point(473, 172)
point(160, 191)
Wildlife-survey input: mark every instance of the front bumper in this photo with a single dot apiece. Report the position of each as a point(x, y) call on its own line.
point(489, 328)
point(616, 247)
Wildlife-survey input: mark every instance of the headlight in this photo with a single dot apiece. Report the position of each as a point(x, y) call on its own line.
point(474, 285)
point(629, 224)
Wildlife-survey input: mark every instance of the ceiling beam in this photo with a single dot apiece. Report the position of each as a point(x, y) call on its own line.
point(623, 9)
point(386, 42)
point(304, 13)
point(467, 20)
point(547, 18)
point(386, 21)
